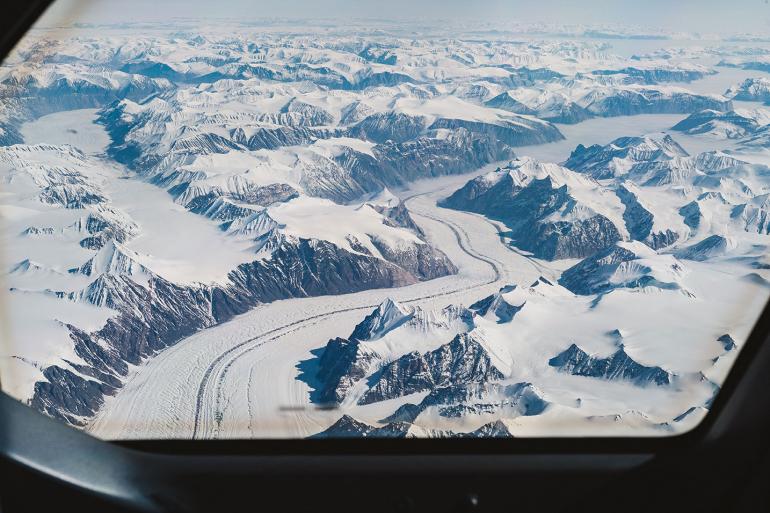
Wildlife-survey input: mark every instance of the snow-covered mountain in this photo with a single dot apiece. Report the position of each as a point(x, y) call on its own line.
point(752, 62)
point(616, 366)
point(751, 89)
point(625, 265)
point(158, 187)
point(193, 147)
point(506, 366)
point(734, 124)
point(607, 94)
point(66, 195)
point(545, 207)
point(672, 217)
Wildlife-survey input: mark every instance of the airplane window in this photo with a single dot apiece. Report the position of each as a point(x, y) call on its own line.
point(342, 220)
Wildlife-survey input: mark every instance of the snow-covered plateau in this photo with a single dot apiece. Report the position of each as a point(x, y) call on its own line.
point(289, 232)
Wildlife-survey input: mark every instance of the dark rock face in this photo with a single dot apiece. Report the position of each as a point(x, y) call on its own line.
point(754, 218)
point(95, 242)
point(525, 76)
point(306, 114)
point(461, 361)
point(406, 149)
point(383, 78)
point(520, 133)
point(355, 112)
point(399, 217)
point(35, 231)
point(570, 239)
point(267, 194)
point(379, 55)
point(70, 197)
point(660, 240)
point(457, 401)
point(524, 210)
point(504, 101)
point(654, 76)
point(269, 137)
point(294, 72)
point(618, 366)
point(298, 72)
point(712, 245)
point(319, 75)
point(707, 120)
point(9, 135)
point(518, 399)
point(498, 306)
point(342, 364)
point(692, 214)
point(568, 113)
point(596, 160)
point(150, 319)
point(638, 219)
point(345, 361)
point(384, 318)
point(639, 222)
point(727, 342)
point(429, 157)
point(69, 188)
point(623, 101)
point(620, 102)
point(496, 429)
point(102, 228)
point(316, 268)
point(590, 275)
point(492, 195)
point(405, 413)
point(651, 101)
point(204, 143)
point(217, 205)
point(422, 260)
point(389, 126)
point(33, 99)
point(155, 69)
point(395, 164)
point(66, 396)
point(265, 138)
point(752, 90)
point(348, 427)
point(407, 152)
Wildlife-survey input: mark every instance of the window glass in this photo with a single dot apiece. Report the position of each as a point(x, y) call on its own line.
point(355, 219)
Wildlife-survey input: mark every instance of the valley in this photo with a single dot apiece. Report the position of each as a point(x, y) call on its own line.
point(256, 237)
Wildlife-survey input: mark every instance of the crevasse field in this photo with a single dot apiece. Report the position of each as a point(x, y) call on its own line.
point(290, 230)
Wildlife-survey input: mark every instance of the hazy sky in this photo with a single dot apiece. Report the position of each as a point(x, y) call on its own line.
point(688, 15)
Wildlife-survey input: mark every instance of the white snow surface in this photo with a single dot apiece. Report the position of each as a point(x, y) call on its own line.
point(252, 377)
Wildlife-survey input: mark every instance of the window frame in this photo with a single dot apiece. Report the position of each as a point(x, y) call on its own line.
point(54, 464)
point(23, 17)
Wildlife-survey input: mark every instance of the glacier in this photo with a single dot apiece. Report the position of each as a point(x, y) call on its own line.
point(375, 233)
